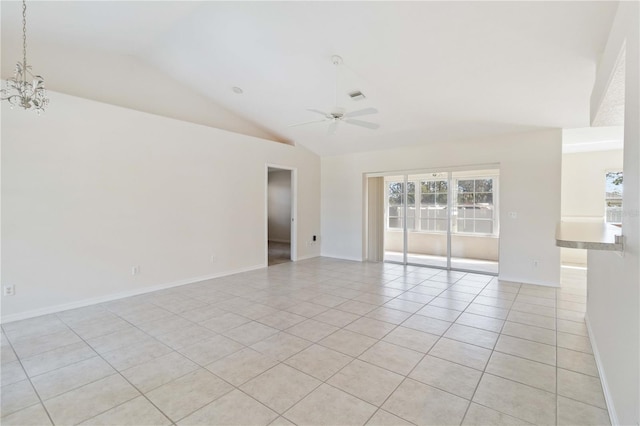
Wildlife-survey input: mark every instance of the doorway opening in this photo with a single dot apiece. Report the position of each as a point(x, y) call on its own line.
point(442, 219)
point(280, 215)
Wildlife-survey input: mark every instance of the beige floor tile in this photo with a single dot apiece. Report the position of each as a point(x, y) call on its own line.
point(448, 376)
point(370, 327)
point(235, 408)
point(384, 418)
point(348, 342)
point(127, 357)
point(241, 366)
point(461, 353)
point(427, 324)
point(538, 375)
point(463, 333)
point(428, 290)
point(581, 387)
point(281, 346)
point(29, 346)
point(439, 313)
point(388, 315)
point(282, 320)
point(307, 309)
point(188, 393)
point(574, 413)
point(280, 387)
point(159, 371)
point(250, 333)
point(34, 327)
point(312, 330)
point(90, 400)
point(572, 327)
point(482, 322)
point(336, 318)
point(443, 302)
point(534, 309)
point(224, 322)
point(255, 311)
point(100, 327)
point(535, 300)
point(319, 361)
point(425, 405)
point(17, 396)
point(328, 300)
point(64, 379)
point(118, 339)
point(487, 311)
point(33, 415)
point(330, 406)
point(210, 350)
point(577, 361)
point(201, 314)
point(517, 400)
point(493, 301)
point(404, 305)
point(366, 381)
point(355, 307)
point(570, 315)
point(529, 332)
point(185, 336)
point(412, 296)
point(527, 349)
point(12, 372)
point(532, 319)
point(478, 415)
point(392, 357)
point(136, 412)
point(574, 342)
point(412, 339)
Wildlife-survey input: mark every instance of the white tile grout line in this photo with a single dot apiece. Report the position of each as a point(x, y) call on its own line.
point(450, 284)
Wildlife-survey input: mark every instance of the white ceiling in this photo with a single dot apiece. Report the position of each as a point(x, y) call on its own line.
point(434, 70)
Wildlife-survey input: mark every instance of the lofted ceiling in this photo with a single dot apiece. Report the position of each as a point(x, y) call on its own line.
point(434, 70)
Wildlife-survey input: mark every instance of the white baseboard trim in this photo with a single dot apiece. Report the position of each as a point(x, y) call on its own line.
point(310, 256)
point(613, 417)
point(531, 282)
point(334, 256)
point(95, 300)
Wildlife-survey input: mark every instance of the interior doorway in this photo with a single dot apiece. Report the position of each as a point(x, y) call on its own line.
point(280, 215)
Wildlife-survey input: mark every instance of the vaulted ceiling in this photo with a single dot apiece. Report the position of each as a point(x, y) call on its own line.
point(434, 70)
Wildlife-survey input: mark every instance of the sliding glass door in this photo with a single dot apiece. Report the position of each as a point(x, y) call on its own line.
point(446, 219)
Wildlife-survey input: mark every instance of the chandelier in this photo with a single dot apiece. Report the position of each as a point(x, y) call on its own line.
point(29, 95)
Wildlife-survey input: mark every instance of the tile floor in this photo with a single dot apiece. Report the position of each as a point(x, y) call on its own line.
point(317, 342)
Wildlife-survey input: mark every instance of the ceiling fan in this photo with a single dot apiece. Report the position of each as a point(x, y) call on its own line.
point(338, 114)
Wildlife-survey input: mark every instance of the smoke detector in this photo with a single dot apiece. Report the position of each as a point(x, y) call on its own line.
point(356, 95)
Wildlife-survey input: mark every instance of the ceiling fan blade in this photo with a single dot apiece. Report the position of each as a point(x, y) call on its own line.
point(317, 111)
point(360, 112)
point(306, 122)
point(332, 128)
point(361, 123)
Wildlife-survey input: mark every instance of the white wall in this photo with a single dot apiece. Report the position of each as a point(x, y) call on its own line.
point(90, 190)
point(613, 280)
point(279, 205)
point(529, 186)
point(583, 191)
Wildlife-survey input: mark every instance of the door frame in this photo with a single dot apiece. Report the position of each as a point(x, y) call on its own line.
point(294, 210)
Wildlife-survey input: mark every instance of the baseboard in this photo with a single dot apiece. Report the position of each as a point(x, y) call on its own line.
point(95, 300)
point(613, 417)
point(334, 256)
point(311, 256)
point(530, 282)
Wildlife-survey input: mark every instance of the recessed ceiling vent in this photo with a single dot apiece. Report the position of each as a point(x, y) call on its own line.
point(356, 95)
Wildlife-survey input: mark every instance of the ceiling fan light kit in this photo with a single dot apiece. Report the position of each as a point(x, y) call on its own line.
point(339, 114)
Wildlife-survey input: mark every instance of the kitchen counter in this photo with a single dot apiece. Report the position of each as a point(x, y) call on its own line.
point(589, 235)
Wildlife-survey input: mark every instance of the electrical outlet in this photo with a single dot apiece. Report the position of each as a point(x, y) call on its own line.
point(9, 290)
point(135, 270)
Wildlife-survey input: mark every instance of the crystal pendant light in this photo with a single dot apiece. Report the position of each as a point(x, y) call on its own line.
point(30, 95)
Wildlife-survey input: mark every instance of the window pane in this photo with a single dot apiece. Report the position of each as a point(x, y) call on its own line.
point(394, 211)
point(442, 213)
point(395, 193)
point(428, 199)
point(465, 199)
point(440, 225)
point(484, 212)
point(428, 187)
point(441, 199)
point(442, 186)
point(484, 198)
point(484, 226)
point(411, 214)
point(424, 224)
point(465, 225)
point(484, 185)
point(465, 186)
point(395, 222)
point(411, 193)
